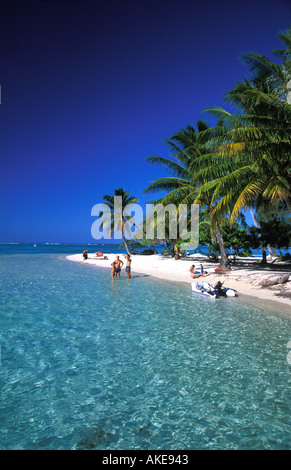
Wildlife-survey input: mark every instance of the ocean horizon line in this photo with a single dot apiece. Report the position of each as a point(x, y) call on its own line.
point(56, 243)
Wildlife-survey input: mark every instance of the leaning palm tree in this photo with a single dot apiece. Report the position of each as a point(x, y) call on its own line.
point(180, 186)
point(195, 145)
point(118, 215)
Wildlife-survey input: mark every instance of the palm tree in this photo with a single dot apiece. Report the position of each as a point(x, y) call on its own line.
point(118, 216)
point(275, 77)
point(251, 159)
point(181, 187)
point(251, 152)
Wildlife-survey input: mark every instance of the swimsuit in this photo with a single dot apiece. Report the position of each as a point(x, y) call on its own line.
point(127, 269)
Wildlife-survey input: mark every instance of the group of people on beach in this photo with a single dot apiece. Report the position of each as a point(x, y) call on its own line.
point(195, 275)
point(117, 265)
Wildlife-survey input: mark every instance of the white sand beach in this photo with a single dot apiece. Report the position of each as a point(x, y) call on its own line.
point(245, 275)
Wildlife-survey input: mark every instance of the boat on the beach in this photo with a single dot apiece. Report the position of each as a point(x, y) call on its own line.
point(214, 292)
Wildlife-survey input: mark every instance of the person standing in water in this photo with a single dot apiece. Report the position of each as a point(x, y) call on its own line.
point(118, 266)
point(113, 270)
point(128, 266)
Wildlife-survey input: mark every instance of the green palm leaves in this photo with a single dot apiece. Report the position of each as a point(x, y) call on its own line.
point(252, 156)
point(119, 206)
point(246, 156)
point(188, 148)
point(250, 151)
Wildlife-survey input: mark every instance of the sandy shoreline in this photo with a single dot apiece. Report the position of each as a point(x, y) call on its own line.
point(244, 276)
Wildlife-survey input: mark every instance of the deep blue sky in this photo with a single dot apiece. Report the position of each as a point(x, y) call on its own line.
point(89, 89)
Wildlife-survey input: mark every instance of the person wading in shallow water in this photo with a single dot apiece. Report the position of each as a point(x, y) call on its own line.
point(113, 270)
point(128, 266)
point(118, 266)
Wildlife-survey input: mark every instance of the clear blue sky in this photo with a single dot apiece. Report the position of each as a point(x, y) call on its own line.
point(90, 89)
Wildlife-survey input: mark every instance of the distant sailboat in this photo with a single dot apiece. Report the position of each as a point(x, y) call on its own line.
point(34, 244)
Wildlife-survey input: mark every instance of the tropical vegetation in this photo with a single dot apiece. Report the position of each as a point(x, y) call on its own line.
point(243, 161)
point(118, 216)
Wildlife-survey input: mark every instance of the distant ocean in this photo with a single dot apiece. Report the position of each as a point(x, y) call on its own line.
point(72, 248)
point(58, 248)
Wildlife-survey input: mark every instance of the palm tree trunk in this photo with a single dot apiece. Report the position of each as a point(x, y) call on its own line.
point(272, 251)
point(263, 248)
point(123, 237)
point(126, 246)
point(289, 92)
point(223, 254)
point(214, 240)
point(264, 258)
point(288, 199)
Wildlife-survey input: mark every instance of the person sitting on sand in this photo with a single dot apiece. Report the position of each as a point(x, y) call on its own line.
point(128, 267)
point(192, 272)
point(85, 254)
point(118, 266)
point(98, 255)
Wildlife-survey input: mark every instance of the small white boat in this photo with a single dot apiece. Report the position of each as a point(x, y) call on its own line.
point(214, 292)
point(204, 288)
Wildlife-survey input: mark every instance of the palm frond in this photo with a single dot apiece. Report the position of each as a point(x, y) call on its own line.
point(170, 165)
point(165, 184)
point(260, 64)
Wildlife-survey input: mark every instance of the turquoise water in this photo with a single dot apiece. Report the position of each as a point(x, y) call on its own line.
point(57, 248)
point(91, 363)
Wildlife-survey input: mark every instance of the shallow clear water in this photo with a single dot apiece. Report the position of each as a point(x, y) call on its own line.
point(87, 362)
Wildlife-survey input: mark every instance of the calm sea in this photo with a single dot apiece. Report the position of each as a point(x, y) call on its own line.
point(57, 248)
point(72, 248)
point(91, 363)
